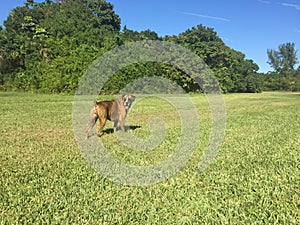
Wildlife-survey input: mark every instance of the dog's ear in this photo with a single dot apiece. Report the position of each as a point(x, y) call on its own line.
point(132, 97)
point(122, 96)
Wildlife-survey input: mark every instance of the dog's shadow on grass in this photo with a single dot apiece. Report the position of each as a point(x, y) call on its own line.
point(127, 128)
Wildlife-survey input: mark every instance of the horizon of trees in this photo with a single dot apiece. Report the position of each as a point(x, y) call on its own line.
point(47, 47)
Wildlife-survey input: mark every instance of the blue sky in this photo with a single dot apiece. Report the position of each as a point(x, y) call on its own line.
point(249, 26)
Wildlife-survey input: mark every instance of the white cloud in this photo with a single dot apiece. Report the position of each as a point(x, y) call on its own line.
point(290, 5)
point(206, 16)
point(264, 2)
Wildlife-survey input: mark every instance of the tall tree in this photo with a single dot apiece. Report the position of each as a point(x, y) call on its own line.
point(283, 59)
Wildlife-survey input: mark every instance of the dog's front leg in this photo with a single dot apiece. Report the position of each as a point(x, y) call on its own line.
point(115, 126)
point(122, 125)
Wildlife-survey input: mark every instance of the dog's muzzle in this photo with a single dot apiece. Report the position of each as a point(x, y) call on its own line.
point(126, 103)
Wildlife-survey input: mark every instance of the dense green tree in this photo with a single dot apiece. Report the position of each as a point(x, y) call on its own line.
point(103, 14)
point(128, 35)
point(61, 37)
point(229, 66)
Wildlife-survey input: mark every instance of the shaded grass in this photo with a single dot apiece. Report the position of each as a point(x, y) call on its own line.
point(253, 180)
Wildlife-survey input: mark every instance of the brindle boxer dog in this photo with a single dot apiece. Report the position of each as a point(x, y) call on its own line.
point(113, 110)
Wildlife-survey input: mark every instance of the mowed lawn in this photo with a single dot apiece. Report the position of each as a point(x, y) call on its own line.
point(255, 178)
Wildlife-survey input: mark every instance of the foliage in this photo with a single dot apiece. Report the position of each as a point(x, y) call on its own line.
point(285, 76)
point(47, 47)
point(230, 66)
point(284, 59)
point(276, 81)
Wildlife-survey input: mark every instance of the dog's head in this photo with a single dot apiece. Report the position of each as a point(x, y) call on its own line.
point(127, 101)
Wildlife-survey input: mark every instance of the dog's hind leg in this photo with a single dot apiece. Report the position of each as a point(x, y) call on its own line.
point(102, 124)
point(92, 122)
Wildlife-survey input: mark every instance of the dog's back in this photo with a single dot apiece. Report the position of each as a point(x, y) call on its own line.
point(103, 108)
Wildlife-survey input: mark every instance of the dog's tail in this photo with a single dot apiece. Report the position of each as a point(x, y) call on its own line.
point(91, 124)
point(93, 119)
point(93, 109)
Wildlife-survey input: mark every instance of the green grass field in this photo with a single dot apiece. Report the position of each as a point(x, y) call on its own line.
point(254, 179)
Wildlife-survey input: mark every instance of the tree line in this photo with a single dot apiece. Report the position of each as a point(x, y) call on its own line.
point(47, 47)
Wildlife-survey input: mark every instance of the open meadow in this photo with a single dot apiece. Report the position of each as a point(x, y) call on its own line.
point(254, 179)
